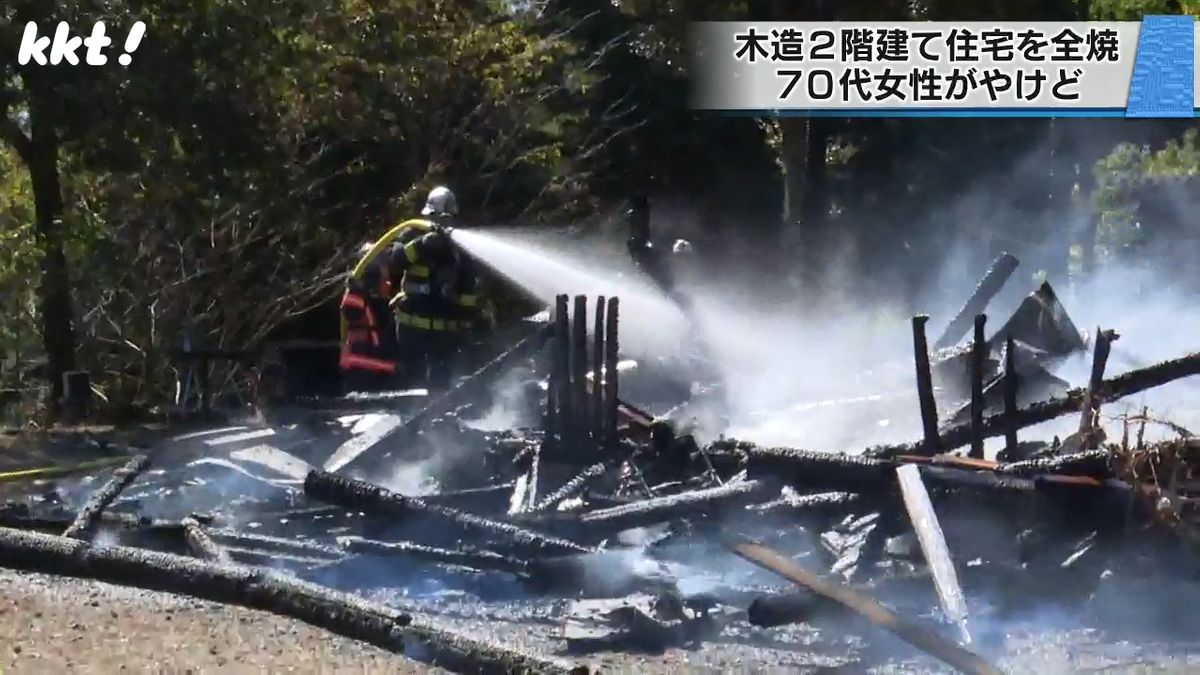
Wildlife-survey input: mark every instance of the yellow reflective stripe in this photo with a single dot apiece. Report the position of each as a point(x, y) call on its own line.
point(417, 271)
point(468, 300)
point(424, 323)
point(410, 252)
point(49, 471)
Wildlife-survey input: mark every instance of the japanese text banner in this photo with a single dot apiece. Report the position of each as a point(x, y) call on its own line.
point(1105, 69)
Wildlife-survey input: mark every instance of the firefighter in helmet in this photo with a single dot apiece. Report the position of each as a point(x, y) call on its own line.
point(438, 307)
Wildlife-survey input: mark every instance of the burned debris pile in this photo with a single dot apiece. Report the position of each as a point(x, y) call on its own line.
point(650, 539)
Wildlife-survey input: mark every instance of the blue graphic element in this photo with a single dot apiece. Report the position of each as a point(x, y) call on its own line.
point(1163, 82)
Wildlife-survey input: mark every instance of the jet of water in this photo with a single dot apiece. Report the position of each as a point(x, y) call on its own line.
point(651, 325)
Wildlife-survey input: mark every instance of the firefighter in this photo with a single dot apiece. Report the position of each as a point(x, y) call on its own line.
point(369, 350)
point(438, 308)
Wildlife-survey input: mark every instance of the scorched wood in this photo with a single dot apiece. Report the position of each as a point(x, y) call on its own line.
point(1094, 463)
point(927, 640)
point(1110, 390)
point(337, 612)
point(797, 502)
point(821, 470)
point(571, 488)
point(356, 494)
point(656, 510)
point(89, 516)
point(991, 283)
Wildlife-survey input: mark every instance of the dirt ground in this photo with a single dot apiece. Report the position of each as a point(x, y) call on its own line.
point(56, 625)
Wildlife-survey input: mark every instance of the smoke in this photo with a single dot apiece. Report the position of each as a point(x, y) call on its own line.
point(514, 403)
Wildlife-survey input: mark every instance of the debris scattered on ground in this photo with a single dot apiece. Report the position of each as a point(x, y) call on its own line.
point(620, 520)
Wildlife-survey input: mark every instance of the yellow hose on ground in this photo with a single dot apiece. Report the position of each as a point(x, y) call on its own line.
point(59, 470)
point(377, 248)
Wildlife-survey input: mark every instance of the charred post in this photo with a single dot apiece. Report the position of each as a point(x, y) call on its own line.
point(85, 524)
point(579, 359)
point(356, 494)
point(991, 283)
point(597, 406)
point(978, 357)
point(561, 376)
point(1091, 406)
point(929, 421)
point(611, 373)
point(1010, 396)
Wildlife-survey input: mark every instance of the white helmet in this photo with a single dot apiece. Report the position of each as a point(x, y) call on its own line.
point(682, 246)
point(441, 202)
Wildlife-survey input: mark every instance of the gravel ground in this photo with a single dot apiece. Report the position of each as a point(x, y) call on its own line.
point(56, 625)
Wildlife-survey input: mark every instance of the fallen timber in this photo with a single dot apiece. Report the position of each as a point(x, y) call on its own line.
point(337, 612)
point(991, 283)
point(1127, 384)
point(572, 488)
point(926, 640)
point(356, 494)
point(88, 519)
point(658, 509)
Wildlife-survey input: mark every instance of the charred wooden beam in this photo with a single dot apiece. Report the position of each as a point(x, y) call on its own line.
point(579, 362)
point(1113, 389)
point(337, 612)
point(922, 638)
point(88, 518)
point(561, 371)
point(796, 502)
point(572, 488)
point(200, 544)
point(1093, 463)
point(658, 509)
point(597, 405)
point(1091, 407)
point(979, 352)
point(991, 283)
point(357, 494)
point(295, 547)
point(929, 422)
point(1010, 398)
point(611, 374)
point(818, 470)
